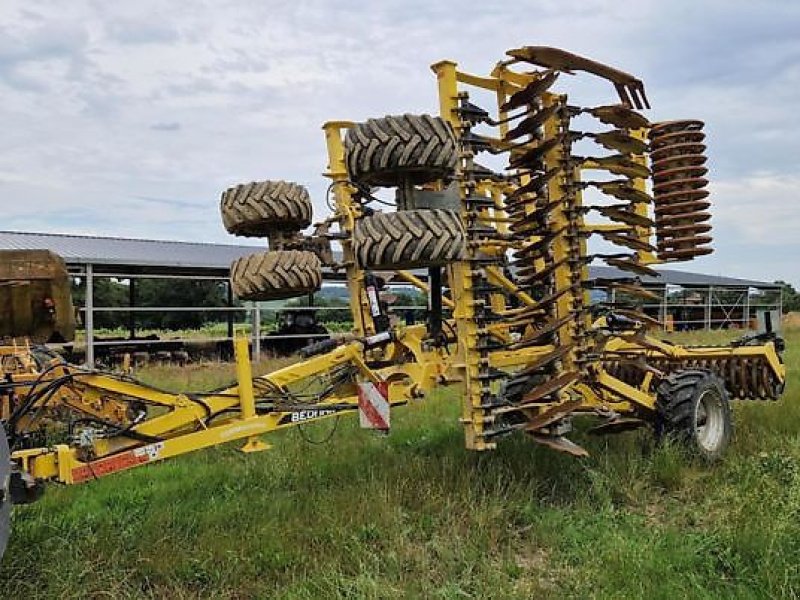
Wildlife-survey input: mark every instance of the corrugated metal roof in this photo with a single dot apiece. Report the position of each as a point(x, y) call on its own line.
point(142, 254)
point(125, 252)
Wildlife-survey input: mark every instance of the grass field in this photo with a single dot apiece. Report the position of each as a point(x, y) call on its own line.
point(414, 515)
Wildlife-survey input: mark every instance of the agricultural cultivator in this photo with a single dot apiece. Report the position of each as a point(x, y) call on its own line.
point(495, 206)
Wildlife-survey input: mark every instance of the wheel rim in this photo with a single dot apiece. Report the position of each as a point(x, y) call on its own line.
point(709, 419)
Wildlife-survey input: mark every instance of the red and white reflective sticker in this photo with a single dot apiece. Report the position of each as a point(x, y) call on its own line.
point(117, 462)
point(373, 405)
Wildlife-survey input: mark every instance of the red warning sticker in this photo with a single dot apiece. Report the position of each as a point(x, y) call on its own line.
point(118, 462)
point(373, 405)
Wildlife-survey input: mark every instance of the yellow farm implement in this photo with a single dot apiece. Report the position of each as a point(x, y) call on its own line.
point(502, 253)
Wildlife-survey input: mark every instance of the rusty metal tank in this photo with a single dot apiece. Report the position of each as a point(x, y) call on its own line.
point(35, 298)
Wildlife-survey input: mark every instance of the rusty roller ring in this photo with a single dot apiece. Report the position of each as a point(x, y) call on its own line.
point(686, 209)
point(677, 125)
point(675, 242)
point(686, 228)
point(682, 172)
point(693, 194)
point(694, 218)
point(679, 137)
point(685, 254)
point(694, 183)
point(678, 160)
point(676, 149)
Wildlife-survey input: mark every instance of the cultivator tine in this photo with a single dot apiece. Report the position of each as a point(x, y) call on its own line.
point(617, 424)
point(535, 184)
point(623, 214)
point(545, 330)
point(532, 156)
point(552, 415)
point(549, 387)
point(559, 443)
point(544, 361)
point(641, 317)
point(532, 91)
point(632, 266)
point(636, 290)
point(622, 190)
point(531, 124)
point(630, 88)
point(620, 141)
point(618, 115)
point(618, 164)
point(628, 241)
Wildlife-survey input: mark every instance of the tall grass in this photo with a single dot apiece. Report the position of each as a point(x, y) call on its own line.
point(415, 515)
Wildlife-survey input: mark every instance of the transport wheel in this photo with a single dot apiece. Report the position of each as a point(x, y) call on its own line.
point(276, 274)
point(5, 491)
point(394, 150)
point(693, 407)
point(261, 207)
point(409, 239)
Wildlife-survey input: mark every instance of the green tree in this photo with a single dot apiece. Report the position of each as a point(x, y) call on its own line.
point(791, 298)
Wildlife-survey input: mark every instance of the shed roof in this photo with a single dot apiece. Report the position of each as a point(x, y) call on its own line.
point(126, 255)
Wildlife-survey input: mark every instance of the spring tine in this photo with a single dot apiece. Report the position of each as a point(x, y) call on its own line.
point(618, 115)
point(545, 360)
point(550, 386)
point(639, 316)
point(626, 240)
point(535, 183)
point(530, 124)
point(634, 267)
point(623, 215)
point(538, 334)
point(531, 92)
point(622, 190)
point(636, 290)
point(534, 154)
point(621, 142)
point(619, 164)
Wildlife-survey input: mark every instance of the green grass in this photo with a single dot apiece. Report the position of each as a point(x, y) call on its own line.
point(415, 515)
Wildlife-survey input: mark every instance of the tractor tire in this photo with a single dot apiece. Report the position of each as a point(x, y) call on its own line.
point(256, 209)
point(276, 274)
point(693, 407)
point(409, 239)
point(409, 148)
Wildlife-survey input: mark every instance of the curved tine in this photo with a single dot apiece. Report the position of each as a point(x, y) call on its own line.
point(620, 141)
point(532, 123)
point(618, 115)
point(531, 91)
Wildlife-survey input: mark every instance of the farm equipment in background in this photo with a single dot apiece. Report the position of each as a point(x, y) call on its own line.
point(295, 329)
point(505, 248)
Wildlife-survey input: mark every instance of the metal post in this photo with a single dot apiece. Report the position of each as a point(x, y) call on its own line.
point(89, 315)
point(663, 310)
point(709, 302)
point(230, 312)
point(131, 304)
point(746, 324)
point(256, 332)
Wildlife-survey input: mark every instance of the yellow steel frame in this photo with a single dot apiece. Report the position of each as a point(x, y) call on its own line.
point(181, 422)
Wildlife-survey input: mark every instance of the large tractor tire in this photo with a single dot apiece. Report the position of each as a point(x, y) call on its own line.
point(693, 408)
point(257, 209)
point(387, 152)
point(276, 274)
point(409, 239)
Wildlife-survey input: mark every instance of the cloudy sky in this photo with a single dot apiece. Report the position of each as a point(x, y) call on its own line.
point(129, 118)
